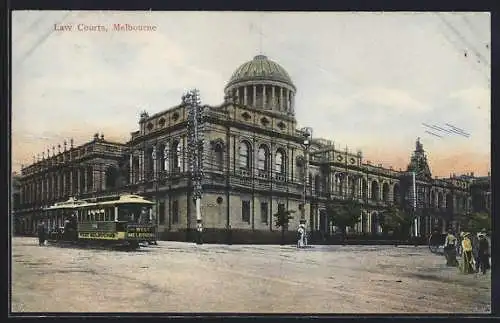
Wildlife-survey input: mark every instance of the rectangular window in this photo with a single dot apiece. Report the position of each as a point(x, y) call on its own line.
point(175, 212)
point(281, 207)
point(245, 211)
point(161, 213)
point(264, 210)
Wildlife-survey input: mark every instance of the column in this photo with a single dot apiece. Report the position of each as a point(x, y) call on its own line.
point(70, 173)
point(245, 98)
point(292, 101)
point(264, 106)
point(281, 99)
point(254, 96)
point(85, 180)
point(95, 178)
point(166, 158)
point(42, 182)
point(79, 181)
point(102, 180)
point(141, 165)
point(131, 168)
point(273, 97)
point(346, 185)
point(154, 154)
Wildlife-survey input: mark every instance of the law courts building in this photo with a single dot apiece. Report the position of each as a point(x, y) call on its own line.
point(254, 165)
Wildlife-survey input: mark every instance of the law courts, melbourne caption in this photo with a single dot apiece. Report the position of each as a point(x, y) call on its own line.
point(103, 28)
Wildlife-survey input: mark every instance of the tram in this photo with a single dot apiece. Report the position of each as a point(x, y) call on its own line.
point(120, 220)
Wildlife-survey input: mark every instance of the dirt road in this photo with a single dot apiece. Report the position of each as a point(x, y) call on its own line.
point(181, 277)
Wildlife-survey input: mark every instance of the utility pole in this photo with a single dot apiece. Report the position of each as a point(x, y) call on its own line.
point(195, 152)
point(414, 204)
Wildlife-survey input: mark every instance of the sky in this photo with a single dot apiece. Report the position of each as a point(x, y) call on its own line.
point(367, 81)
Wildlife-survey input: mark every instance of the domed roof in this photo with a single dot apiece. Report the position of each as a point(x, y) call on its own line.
point(260, 68)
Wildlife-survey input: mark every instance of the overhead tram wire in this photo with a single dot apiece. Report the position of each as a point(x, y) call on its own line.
point(461, 51)
point(482, 59)
point(472, 28)
point(39, 42)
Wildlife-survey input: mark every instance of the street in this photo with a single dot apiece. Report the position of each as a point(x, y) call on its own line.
point(184, 277)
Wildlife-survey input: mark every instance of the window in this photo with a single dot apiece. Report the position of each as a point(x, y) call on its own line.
point(281, 207)
point(219, 156)
point(264, 211)
point(244, 153)
point(263, 161)
point(245, 211)
point(280, 165)
point(175, 212)
point(161, 213)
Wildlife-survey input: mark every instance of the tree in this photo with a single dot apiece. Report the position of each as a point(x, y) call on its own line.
point(283, 218)
point(476, 222)
point(396, 220)
point(344, 214)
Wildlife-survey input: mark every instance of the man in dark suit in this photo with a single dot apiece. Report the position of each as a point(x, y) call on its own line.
point(41, 233)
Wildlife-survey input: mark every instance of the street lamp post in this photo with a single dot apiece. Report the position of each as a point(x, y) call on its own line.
point(307, 132)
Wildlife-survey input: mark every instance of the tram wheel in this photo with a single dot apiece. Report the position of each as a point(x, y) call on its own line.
point(133, 244)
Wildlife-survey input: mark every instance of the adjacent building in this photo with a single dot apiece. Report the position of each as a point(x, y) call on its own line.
point(255, 163)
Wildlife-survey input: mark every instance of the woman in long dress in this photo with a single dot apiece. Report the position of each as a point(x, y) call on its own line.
point(467, 266)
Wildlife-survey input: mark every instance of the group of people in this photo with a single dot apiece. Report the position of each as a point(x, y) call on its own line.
point(474, 251)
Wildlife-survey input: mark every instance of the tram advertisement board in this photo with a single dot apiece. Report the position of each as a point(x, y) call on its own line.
point(99, 235)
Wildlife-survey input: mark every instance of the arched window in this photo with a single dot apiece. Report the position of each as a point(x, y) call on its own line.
point(440, 200)
point(263, 158)
point(364, 189)
point(176, 155)
point(396, 194)
point(432, 199)
point(280, 164)
point(375, 192)
point(244, 153)
point(385, 192)
point(163, 154)
point(299, 163)
point(317, 183)
point(219, 156)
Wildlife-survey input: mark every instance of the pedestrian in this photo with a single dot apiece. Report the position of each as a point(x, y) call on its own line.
point(41, 233)
point(483, 253)
point(467, 257)
point(450, 249)
point(300, 236)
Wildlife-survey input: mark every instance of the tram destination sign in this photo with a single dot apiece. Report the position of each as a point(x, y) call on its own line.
point(140, 232)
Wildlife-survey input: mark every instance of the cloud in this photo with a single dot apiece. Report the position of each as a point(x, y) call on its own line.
point(364, 80)
point(391, 100)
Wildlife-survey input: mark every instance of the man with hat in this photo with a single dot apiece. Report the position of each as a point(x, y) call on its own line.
point(483, 257)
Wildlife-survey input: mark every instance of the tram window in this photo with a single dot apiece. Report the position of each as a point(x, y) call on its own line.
point(109, 214)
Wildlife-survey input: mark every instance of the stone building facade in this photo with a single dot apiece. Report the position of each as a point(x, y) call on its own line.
point(85, 171)
point(254, 158)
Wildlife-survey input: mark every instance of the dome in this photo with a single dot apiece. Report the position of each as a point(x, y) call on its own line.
point(260, 68)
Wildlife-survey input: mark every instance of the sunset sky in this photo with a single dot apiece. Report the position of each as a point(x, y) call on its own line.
point(365, 80)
